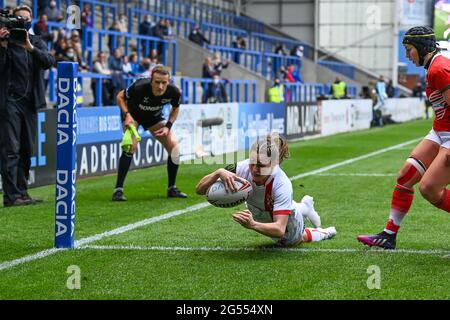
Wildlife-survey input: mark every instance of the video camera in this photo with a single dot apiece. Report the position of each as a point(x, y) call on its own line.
point(15, 25)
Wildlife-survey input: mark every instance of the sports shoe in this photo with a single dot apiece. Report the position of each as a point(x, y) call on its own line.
point(330, 232)
point(18, 202)
point(383, 240)
point(27, 197)
point(118, 196)
point(311, 214)
point(174, 192)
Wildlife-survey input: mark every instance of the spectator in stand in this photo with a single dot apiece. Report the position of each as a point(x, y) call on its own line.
point(282, 74)
point(146, 28)
point(297, 51)
point(277, 62)
point(419, 92)
point(159, 31)
point(75, 42)
point(381, 93)
point(377, 119)
point(219, 63)
point(276, 92)
point(101, 67)
point(134, 64)
point(280, 49)
point(123, 23)
point(197, 37)
point(42, 5)
point(61, 34)
point(67, 55)
point(115, 64)
point(60, 47)
point(208, 69)
point(390, 90)
point(144, 69)
point(207, 73)
point(240, 44)
point(167, 29)
point(86, 17)
point(153, 54)
point(338, 89)
point(216, 91)
point(53, 13)
point(40, 29)
point(127, 69)
point(292, 74)
point(111, 45)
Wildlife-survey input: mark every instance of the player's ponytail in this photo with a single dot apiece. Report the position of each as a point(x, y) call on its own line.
point(281, 144)
point(271, 149)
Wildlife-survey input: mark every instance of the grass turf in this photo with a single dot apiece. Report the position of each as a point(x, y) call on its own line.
point(354, 204)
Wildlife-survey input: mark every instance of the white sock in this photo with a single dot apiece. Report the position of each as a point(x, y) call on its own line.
point(319, 234)
point(302, 208)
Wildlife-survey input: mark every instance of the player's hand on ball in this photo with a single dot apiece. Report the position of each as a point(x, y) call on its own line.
point(228, 179)
point(244, 218)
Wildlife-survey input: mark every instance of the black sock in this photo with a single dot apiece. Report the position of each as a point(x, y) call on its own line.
point(124, 166)
point(172, 170)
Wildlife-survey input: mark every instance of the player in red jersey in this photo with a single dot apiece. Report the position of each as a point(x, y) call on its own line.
point(429, 162)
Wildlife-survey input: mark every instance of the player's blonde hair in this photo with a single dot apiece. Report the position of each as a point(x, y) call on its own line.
point(160, 69)
point(272, 149)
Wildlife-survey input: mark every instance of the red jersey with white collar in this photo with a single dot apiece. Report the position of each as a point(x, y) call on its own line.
point(438, 81)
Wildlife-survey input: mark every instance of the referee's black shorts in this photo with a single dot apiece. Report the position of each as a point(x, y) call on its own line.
point(147, 122)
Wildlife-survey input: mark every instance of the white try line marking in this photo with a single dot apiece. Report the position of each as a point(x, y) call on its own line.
point(45, 253)
point(225, 249)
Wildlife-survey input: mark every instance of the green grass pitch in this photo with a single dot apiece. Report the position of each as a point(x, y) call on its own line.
point(204, 254)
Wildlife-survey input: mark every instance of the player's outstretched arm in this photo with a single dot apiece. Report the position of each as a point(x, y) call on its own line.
point(226, 176)
point(274, 229)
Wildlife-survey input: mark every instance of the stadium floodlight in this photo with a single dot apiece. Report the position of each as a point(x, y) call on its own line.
point(66, 140)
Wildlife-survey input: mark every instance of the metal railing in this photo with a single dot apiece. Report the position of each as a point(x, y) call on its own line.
point(308, 92)
point(247, 58)
point(144, 43)
point(180, 26)
point(221, 36)
point(194, 90)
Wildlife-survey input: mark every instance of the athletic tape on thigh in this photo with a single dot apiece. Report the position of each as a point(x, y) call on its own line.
point(417, 164)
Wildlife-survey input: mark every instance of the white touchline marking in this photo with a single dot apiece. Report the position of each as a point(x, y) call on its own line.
point(32, 257)
point(226, 249)
point(140, 224)
point(48, 252)
point(356, 174)
point(343, 163)
point(9, 264)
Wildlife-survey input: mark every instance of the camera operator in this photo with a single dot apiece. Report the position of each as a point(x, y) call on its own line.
point(22, 93)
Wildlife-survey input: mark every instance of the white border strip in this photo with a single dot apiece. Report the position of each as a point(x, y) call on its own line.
point(225, 249)
point(9, 264)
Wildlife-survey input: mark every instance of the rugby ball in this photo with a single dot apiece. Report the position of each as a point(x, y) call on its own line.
point(218, 196)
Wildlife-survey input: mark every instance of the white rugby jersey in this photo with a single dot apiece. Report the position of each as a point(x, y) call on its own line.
point(273, 198)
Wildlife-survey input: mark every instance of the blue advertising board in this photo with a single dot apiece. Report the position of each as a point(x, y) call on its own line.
point(259, 119)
